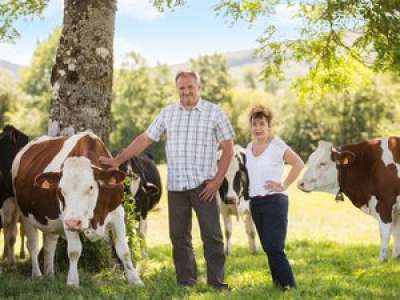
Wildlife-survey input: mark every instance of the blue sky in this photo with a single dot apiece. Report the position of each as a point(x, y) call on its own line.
point(171, 37)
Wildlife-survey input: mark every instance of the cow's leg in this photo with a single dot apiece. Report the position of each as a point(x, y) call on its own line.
point(32, 243)
point(9, 218)
point(121, 246)
point(251, 233)
point(385, 232)
point(49, 247)
point(74, 250)
point(142, 234)
point(228, 231)
point(22, 237)
point(396, 234)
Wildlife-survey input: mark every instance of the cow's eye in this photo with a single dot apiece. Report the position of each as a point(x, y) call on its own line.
point(90, 188)
point(322, 164)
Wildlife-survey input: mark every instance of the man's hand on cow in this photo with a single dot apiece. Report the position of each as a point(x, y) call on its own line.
point(274, 186)
point(109, 162)
point(210, 189)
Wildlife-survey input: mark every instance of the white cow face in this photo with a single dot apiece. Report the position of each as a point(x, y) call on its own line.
point(321, 173)
point(233, 187)
point(79, 185)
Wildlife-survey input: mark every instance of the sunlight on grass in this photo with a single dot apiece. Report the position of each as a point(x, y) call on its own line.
point(333, 248)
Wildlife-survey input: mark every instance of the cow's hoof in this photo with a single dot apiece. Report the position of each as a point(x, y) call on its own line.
point(73, 284)
point(36, 276)
point(12, 268)
point(136, 281)
point(139, 283)
point(382, 258)
point(253, 252)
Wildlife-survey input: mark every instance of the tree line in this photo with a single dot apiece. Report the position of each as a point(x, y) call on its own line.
point(346, 103)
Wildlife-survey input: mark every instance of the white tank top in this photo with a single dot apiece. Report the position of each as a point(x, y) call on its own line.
point(269, 165)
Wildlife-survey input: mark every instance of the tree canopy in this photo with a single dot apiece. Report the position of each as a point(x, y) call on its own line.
point(368, 30)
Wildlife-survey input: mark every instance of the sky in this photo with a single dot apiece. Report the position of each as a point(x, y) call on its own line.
point(171, 37)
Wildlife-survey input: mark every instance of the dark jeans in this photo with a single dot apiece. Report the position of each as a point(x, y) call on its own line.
point(270, 217)
point(180, 205)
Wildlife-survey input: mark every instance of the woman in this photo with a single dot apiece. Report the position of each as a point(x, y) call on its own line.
point(266, 156)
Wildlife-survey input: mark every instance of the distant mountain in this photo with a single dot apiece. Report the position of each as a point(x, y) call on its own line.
point(240, 61)
point(11, 68)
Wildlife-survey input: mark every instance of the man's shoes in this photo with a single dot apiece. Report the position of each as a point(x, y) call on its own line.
point(220, 286)
point(186, 285)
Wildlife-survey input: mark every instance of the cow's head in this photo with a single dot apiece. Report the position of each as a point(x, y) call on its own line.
point(11, 141)
point(78, 186)
point(138, 183)
point(322, 168)
point(235, 184)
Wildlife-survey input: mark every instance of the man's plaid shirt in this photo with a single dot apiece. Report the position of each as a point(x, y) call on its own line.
point(192, 142)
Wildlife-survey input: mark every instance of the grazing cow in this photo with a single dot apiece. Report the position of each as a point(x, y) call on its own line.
point(368, 174)
point(11, 141)
point(233, 199)
point(60, 189)
point(145, 187)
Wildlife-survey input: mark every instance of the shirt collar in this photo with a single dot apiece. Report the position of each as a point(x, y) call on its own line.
point(199, 106)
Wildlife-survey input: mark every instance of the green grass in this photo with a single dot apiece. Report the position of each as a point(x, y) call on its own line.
point(333, 249)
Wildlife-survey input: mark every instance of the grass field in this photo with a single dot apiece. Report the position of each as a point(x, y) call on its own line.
point(333, 248)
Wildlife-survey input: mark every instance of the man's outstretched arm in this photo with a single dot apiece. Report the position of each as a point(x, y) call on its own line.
point(138, 145)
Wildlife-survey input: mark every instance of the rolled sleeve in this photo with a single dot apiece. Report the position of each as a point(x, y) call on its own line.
point(224, 130)
point(156, 128)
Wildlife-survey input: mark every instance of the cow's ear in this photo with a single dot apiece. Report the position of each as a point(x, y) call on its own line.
point(151, 188)
point(48, 181)
point(110, 177)
point(343, 158)
point(11, 132)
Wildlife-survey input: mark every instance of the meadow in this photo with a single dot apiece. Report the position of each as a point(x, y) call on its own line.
point(332, 246)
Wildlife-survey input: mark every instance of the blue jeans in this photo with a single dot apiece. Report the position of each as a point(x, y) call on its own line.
point(270, 218)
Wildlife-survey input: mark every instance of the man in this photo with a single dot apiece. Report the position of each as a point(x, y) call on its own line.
point(195, 129)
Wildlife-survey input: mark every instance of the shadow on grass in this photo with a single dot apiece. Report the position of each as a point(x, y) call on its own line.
point(324, 270)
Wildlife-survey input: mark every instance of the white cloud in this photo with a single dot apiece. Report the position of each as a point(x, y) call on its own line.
point(53, 8)
point(286, 15)
point(138, 9)
point(16, 53)
point(122, 46)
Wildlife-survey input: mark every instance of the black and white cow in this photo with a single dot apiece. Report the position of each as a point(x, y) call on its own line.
point(233, 199)
point(146, 188)
point(11, 141)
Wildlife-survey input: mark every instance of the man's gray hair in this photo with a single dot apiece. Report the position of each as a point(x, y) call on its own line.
point(192, 73)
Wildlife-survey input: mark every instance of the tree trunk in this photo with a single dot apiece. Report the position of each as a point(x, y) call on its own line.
point(82, 86)
point(82, 74)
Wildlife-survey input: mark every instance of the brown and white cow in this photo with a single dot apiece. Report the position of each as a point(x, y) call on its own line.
point(61, 190)
point(233, 199)
point(368, 174)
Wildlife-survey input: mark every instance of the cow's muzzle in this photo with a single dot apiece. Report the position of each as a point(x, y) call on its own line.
point(73, 224)
point(231, 200)
point(301, 186)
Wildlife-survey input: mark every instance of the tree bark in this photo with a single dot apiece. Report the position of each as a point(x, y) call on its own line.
point(83, 72)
